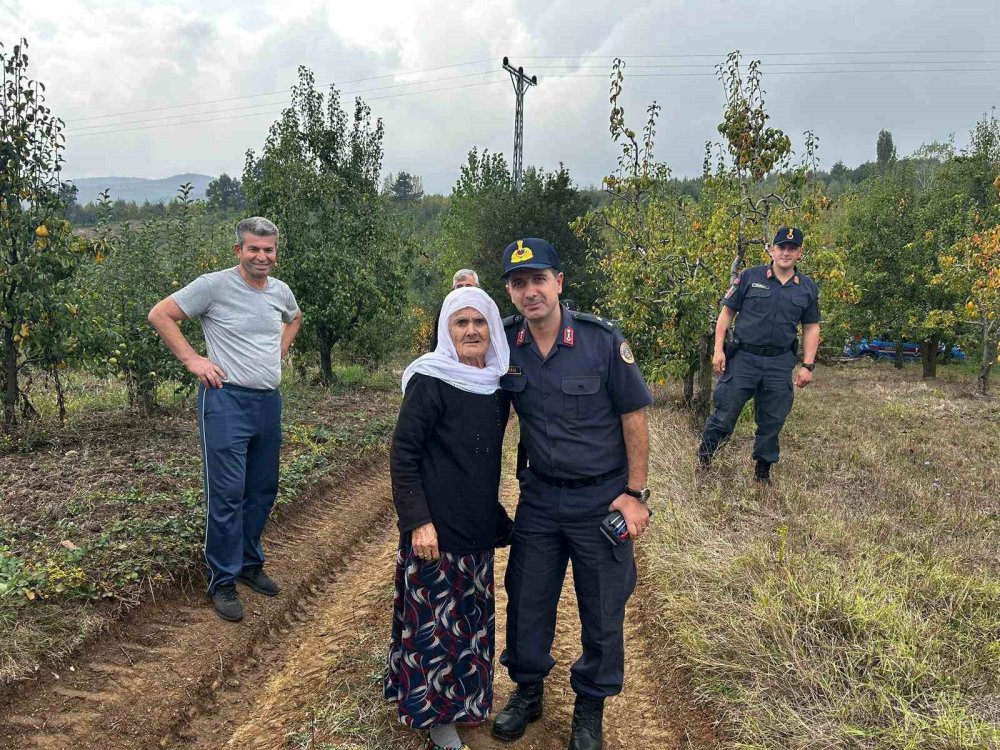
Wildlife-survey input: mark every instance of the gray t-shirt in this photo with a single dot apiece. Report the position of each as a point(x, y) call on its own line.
point(242, 324)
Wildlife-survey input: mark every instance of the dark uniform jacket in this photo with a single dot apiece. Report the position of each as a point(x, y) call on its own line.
point(769, 311)
point(570, 404)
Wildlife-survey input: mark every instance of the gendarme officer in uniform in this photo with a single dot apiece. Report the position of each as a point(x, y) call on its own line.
point(581, 401)
point(769, 302)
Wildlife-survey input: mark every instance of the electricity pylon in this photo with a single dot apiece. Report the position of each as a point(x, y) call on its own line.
point(521, 83)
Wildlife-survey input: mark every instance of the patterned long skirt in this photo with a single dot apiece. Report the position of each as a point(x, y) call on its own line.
point(440, 667)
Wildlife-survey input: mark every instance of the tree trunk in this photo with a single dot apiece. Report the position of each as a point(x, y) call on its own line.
point(899, 353)
point(324, 340)
point(60, 397)
point(983, 379)
point(928, 356)
point(9, 378)
point(688, 380)
point(703, 397)
point(986, 361)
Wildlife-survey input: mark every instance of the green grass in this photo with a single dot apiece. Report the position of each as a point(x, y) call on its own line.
point(856, 603)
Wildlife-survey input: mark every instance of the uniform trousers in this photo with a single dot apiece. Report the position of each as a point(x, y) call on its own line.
point(552, 526)
point(768, 381)
point(241, 440)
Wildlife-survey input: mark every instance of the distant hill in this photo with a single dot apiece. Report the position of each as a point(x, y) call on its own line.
point(139, 189)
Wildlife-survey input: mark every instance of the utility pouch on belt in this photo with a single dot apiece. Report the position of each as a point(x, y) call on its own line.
point(730, 347)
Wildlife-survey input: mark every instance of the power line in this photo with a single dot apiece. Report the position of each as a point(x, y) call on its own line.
point(561, 57)
point(793, 72)
point(284, 101)
point(278, 111)
point(724, 55)
point(487, 83)
point(280, 91)
point(784, 65)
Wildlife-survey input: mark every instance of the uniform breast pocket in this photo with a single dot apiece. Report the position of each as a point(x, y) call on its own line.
point(580, 394)
point(756, 295)
point(799, 304)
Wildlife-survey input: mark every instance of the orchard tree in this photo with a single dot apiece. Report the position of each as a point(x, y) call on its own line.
point(885, 150)
point(225, 194)
point(486, 214)
point(668, 257)
point(37, 252)
point(136, 267)
point(317, 179)
point(972, 270)
point(404, 187)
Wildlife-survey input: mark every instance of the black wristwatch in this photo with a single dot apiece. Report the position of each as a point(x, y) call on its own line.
point(809, 366)
point(641, 495)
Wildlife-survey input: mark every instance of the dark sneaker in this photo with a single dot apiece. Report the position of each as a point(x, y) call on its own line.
point(227, 603)
point(524, 707)
point(762, 472)
point(259, 581)
point(704, 462)
point(588, 720)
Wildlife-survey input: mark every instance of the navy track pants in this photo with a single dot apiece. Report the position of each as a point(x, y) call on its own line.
point(240, 440)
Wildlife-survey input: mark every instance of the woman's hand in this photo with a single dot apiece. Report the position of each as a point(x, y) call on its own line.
point(425, 542)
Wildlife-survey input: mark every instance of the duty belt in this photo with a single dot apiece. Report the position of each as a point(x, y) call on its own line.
point(574, 484)
point(764, 351)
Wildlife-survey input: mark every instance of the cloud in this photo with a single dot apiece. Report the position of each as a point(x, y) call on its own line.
point(104, 57)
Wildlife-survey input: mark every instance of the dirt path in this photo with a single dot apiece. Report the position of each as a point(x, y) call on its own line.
point(302, 670)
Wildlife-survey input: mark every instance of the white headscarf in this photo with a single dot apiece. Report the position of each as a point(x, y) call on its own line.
point(443, 362)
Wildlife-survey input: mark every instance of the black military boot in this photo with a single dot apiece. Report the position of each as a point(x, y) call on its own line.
point(762, 472)
point(524, 707)
point(588, 729)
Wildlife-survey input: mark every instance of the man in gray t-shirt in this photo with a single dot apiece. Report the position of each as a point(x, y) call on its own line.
point(249, 320)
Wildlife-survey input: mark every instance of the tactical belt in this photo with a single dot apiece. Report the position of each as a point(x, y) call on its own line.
point(764, 351)
point(574, 484)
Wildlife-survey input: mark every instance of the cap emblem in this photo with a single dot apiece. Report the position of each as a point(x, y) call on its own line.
point(521, 254)
point(791, 234)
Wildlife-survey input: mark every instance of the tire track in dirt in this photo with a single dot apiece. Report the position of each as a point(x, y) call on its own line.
point(162, 667)
point(178, 677)
point(330, 656)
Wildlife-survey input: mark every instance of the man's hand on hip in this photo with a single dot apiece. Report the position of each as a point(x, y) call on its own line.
point(209, 373)
point(636, 514)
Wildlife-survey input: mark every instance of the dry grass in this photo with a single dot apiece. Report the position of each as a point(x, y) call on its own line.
point(856, 602)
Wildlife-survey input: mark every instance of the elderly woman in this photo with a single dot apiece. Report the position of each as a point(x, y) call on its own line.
point(445, 466)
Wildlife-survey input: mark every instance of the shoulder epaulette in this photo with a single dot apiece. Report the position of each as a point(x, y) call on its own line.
point(512, 320)
point(591, 318)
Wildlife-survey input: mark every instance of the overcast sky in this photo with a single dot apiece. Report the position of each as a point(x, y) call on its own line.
point(105, 57)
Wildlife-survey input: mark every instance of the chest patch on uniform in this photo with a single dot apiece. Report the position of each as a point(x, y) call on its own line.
point(514, 370)
point(626, 353)
point(758, 285)
point(568, 335)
